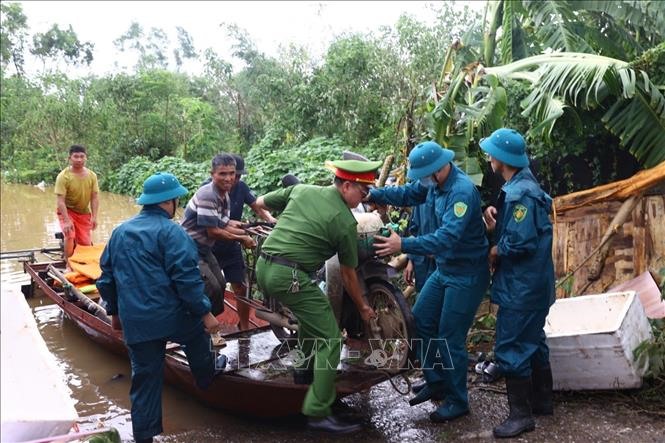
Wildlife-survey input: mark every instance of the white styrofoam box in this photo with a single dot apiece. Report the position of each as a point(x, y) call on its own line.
point(35, 401)
point(592, 339)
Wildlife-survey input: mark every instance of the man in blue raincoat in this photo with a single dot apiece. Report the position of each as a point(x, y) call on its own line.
point(523, 282)
point(446, 306)
point(420, 267)
point(154, 293)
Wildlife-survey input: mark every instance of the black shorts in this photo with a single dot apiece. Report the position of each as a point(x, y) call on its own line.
point(232, 263)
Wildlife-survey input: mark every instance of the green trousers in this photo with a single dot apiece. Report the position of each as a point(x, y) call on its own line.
point(318, 334)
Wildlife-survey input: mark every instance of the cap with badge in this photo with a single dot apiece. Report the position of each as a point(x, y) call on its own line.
point(355, 170)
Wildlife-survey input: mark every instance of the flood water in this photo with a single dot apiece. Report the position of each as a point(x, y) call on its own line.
point(99, 381)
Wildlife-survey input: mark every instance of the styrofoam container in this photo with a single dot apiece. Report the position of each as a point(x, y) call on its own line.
point(592, 339)
point(35, 400)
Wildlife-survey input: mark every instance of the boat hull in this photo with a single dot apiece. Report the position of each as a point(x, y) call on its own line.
point(234, 391)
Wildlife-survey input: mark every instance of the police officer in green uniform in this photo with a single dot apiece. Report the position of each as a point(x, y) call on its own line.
point(446, 306)
point(523, 282)
point(316, 223)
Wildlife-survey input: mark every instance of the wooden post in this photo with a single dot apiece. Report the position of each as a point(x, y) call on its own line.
point(619, 219)
point(385, 171)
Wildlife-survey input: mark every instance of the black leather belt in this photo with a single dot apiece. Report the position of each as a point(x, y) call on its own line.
point(286, 262)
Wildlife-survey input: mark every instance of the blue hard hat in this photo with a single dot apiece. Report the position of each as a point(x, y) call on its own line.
point(507, 146)
point(160, 187)
point(427, 158)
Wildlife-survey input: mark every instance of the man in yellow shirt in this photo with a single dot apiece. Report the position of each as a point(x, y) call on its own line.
point(77, 190)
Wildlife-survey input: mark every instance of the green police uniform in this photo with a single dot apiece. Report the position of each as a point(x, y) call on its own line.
point(315, 224)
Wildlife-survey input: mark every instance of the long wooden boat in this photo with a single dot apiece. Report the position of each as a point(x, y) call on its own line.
point(258, 379)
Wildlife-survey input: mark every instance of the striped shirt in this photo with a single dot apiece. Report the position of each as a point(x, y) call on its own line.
point(206, 209)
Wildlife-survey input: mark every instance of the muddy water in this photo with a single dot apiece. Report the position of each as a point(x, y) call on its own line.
point(99, 381)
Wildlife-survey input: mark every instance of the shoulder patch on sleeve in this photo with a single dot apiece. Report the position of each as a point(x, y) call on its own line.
point(460, 209)
point(519, 213)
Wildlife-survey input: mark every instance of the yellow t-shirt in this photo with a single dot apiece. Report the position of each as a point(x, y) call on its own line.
point(77, 190)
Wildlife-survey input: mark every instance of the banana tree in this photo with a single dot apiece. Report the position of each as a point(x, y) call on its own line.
point(464, 108)
point(635, 107)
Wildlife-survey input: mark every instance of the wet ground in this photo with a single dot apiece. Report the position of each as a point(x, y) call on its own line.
point(100, 383)
point(387, 417)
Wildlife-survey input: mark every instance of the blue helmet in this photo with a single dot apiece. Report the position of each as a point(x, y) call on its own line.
point(160, 187)
point(507, 146)
point(427, 158)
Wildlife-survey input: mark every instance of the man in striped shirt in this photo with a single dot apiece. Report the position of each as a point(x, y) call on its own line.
point(207, 218)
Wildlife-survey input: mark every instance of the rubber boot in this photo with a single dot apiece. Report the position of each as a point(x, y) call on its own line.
point(432, 391)
point(519, 400)
point(418, 386)
point(541, 397)
point(447, 412)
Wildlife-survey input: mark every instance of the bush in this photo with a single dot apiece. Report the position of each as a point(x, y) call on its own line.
point(267, 165)
point(269, 160)
point(130, 177)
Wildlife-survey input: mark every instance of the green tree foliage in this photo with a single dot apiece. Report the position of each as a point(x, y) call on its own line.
point(573, 83)
point(376, 93)
point(57, 43)
point(151, 48)
point(13, 35)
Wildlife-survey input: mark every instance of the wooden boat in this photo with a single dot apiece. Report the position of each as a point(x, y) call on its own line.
point(257, 380)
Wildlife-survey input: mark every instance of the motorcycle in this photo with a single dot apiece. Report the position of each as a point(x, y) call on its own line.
point(389, 334)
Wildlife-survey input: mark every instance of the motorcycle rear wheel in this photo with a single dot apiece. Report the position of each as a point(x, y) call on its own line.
point(391, 333)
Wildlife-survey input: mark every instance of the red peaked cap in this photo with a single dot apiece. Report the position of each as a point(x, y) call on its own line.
point(355, 170)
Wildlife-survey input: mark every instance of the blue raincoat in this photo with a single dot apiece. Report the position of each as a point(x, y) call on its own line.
point(151, 280)
point(423, 221)
point(523, 284)
point(448, 302)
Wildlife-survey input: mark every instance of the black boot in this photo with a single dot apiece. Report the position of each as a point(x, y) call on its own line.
point(541, 397)
point(432, 391)
point(519, 400)
point(332, 425)
point(418, 386)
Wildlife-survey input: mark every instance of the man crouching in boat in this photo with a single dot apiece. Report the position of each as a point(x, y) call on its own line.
point(154, 291)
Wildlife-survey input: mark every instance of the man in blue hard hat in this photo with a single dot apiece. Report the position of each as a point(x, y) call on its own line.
point(523, 281)
point(446, 306)
point(154, 293)
point(420, 267)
